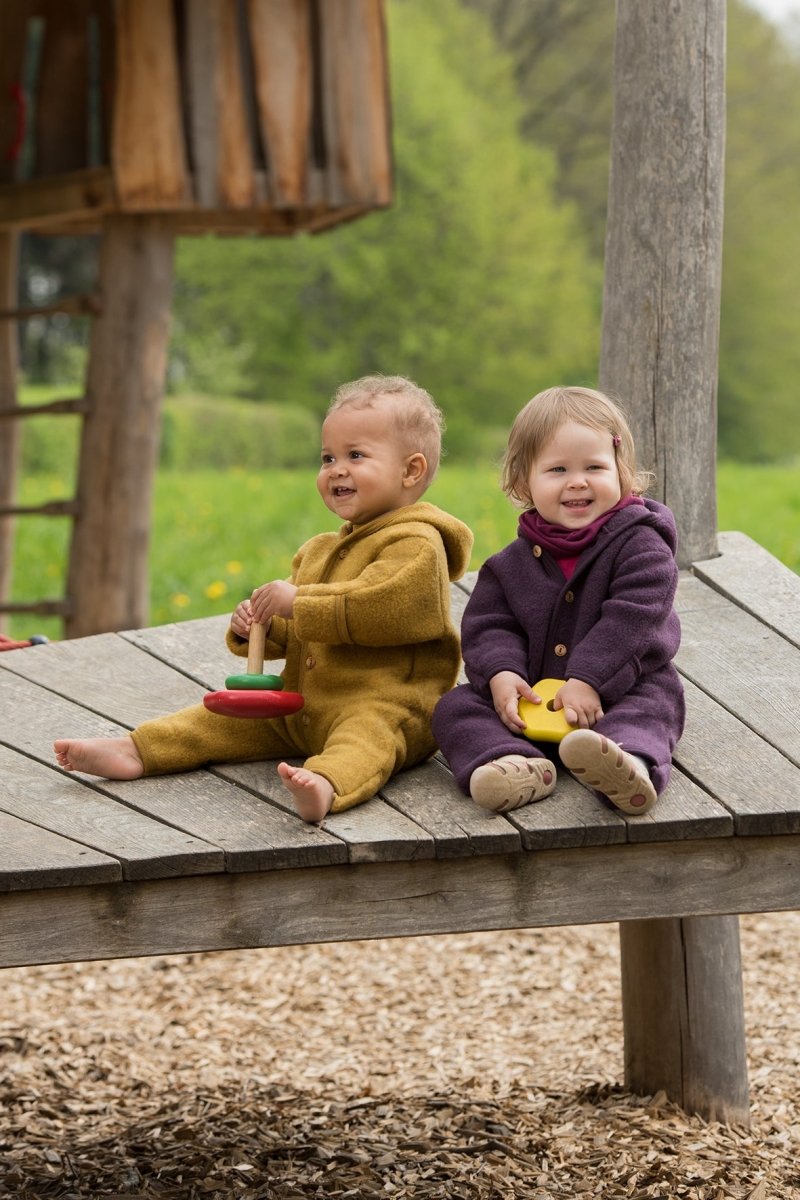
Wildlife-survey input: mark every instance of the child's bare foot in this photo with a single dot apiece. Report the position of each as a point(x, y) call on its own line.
point(312, 793)
point(110, 758)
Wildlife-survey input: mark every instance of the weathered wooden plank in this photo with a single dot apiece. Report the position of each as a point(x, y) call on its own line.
point(220, 138)
point(746, 667)
point(423, 896)
point(62, 94)
point(355, 102)
point(33, 858)
point(684, 811)
point(280, 34)
point(754, 781)
point(33, 717)
point(571, 816)
point(195, 222)
point(80, 196)
point(108, 674)
point(372, 832)
point(66, 805)
point(574, 816)
point(254, 835)
point(429, 796)
point(148, 155)
point(197, 648)
point(754, 579)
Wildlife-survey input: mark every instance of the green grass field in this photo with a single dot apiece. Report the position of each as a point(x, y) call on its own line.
point(217, 535)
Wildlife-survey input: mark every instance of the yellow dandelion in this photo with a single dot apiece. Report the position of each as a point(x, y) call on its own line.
point(180, 600)
point(233, 568)
point(216, 589)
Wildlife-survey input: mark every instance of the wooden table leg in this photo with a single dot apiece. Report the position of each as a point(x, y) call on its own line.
point(683, 1014)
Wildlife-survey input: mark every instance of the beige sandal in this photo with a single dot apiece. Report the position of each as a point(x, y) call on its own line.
point(512, 781)
point(599, 763)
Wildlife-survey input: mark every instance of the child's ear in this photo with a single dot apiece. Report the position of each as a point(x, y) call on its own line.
point(416, 469)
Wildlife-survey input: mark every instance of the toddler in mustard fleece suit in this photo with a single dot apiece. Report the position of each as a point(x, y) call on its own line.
point(363, 623)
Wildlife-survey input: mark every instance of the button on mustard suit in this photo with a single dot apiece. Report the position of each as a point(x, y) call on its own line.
point(370, 645)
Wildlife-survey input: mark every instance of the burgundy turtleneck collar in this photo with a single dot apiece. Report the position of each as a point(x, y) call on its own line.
point(563, 542)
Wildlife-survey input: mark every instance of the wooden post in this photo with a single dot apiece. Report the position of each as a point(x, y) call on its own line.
point(660, 332)
point(10, 429)
point(683, 1014)
point(682, 990)
point(107, 586)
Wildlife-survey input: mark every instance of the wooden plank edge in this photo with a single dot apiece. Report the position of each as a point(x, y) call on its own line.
point(427, 896)
point(753, 579)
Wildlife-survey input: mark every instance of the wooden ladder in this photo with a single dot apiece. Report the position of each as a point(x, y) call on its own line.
point(11, 415)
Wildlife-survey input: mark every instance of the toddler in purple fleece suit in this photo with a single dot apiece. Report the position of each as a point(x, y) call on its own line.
point(585, 594)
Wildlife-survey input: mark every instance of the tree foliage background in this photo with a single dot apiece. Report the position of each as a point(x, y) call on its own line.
point(483, 280)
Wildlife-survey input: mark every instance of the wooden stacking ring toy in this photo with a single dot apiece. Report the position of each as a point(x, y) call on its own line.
point(543, 723)
point(254, 694)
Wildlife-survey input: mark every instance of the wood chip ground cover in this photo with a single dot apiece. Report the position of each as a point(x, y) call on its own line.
point(475, 1066)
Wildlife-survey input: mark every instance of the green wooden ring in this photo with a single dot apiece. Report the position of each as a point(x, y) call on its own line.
point(251, 683)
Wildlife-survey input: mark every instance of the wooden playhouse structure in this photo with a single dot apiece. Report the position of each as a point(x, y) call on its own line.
point(142, 120)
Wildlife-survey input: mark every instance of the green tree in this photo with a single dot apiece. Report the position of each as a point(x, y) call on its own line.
point(760, 327)
point(562, 52)
point(476, 281)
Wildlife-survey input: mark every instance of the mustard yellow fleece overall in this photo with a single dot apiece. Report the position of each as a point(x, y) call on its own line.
point(371, 646)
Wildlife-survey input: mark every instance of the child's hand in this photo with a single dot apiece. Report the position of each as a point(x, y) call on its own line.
point(507, 690)
point(581, 703)
point(241, 620)
point(274, 599)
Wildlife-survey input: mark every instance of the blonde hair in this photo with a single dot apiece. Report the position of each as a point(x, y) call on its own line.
point(541, 418)
point(418, 420)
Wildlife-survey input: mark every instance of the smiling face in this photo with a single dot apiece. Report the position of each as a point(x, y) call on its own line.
point(366, 469)
point(574, 480)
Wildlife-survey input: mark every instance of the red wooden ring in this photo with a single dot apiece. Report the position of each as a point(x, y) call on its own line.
point(253, 704)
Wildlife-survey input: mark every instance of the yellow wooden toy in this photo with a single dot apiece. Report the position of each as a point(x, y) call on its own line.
point(542, 722)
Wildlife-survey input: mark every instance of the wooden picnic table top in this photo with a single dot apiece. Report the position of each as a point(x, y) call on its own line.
point(726, 833)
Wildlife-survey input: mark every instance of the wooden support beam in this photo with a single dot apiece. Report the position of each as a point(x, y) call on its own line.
point(683, 1014)
point(52, 508)
point(86, 305)
point(9, 430)
point(661, 303)
point(41, 203)
point(39, 608)
point(53, 408)
point(108, 570)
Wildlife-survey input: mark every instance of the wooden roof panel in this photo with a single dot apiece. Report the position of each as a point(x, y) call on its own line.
point(266, 116)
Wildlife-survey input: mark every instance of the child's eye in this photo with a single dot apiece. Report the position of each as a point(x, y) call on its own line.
point(557, 470)
point(327, 459)
point(356, 454)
